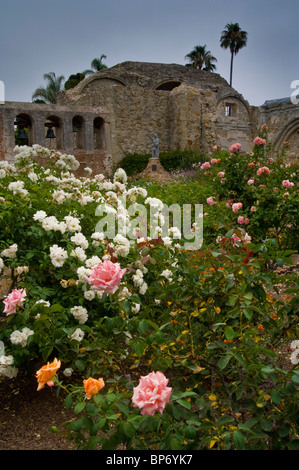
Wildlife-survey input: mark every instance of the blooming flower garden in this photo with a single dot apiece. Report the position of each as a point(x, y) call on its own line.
point(152, 343)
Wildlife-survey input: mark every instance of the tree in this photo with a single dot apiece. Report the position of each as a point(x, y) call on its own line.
point(202, 59)
point(96, 65)
point(48, 94)
point(234, 39)
point(73, 80)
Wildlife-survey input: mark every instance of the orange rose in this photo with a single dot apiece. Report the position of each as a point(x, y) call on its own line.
point(93, 386)
point(45, 374)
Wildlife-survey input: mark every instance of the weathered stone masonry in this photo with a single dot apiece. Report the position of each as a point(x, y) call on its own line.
point(110, 113)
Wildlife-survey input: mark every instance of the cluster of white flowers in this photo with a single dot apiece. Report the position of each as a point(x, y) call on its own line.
point(2, 173)
point(20, 337)
point(17, 188)
point(79, 253)
point(122, 245)
point(139, 281)
point(20, 270)
point(295, 354)
point(78, 335)
point(67, 162)
point(167, 274)
point(58, 255)
point(80, 240)
point(33, 176)
point(10, 252)
point(6, 367)
point(120, 176)
point(80, 314)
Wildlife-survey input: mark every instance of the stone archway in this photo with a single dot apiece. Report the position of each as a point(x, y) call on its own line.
point(54, 133)
point(78, 132)
point(23, 129)
point(289, 134)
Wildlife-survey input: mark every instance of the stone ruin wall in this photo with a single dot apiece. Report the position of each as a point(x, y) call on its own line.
point(189, 116)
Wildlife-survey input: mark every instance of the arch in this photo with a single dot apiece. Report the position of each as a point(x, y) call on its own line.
point(54, 132)
point(78, 125)
point(230, 103)
point(23, 129)
point(288, 130)
point(168, 85)
point(99, 136)
point(104, 77)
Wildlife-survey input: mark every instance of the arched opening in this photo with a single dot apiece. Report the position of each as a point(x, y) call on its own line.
point(168, 86)
point(23, 130)
point(99, 134)
point(78, 132)
point(54, 133)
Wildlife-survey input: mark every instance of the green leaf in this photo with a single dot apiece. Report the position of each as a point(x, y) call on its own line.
point(238, 440)
point(266, 425)
point(139, 348)
point(225, 420)
point(129, 429)
point(143, 326)
point(229, 333)
point(175, 444)
point(79, 407)
point(68, 402)
point(124, 408)
point(223, 361)
point(185, 404)
point(276, 397)
point(294, 445)
point(92, 442)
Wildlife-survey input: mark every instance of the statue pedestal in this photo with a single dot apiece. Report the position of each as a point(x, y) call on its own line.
point(155, 170)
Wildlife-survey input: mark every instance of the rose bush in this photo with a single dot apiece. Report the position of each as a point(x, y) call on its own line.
point(143, 312)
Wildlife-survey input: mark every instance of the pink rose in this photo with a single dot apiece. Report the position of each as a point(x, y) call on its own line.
point(221, 174)
point(234, 148)
point(14, 300)
point(205, 165)
point(253, 209)
point(237, 206)
point(247, 238)
point(241, 219)
point(259, 141)
point(285, 195)
point(262, 170)
point(250, 181)
point(287, 184)
point(211, 201)
point(152, 393)
point(214, 161)
point(106, 276)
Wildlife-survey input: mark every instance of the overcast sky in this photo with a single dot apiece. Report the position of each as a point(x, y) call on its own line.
point(63, 36)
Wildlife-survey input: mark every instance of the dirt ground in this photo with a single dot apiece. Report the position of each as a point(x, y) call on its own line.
point(26, 416)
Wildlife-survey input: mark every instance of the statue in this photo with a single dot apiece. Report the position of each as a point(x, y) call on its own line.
point(155, 140)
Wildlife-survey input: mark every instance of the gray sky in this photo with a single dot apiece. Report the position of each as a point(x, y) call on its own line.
point(63, 36)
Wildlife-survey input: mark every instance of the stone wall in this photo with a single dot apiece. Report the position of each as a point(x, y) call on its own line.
point(110, 113)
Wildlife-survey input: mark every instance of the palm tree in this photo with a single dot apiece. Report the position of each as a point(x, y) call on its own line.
point(96, 65)
point(202, 59)
point(233, 38)
point(48, 94)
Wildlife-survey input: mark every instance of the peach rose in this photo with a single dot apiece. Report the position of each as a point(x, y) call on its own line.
point(93, 386)
point(46, 373)
point(106, 276)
